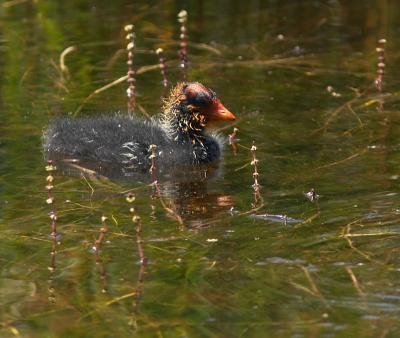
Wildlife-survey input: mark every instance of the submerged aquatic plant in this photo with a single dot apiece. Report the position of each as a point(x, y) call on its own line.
point(130, 36)
point(183, 55)
point(130, 198)
point(153, 166)
point(233, 140)
point(380, 72)
point(96, 249)
point(163, 67)
point(102, 234)
point(50, 168)
point(256, 184)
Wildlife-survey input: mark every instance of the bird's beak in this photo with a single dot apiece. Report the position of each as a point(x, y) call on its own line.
point(218, 112)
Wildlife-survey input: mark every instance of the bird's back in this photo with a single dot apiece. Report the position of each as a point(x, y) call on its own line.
point(117, 139)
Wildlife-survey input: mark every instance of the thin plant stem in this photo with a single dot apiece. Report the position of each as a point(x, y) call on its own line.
point(183, 54)
point(131, 71)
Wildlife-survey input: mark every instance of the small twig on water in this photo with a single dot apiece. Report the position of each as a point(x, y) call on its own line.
point(63, 67)
point(347, 234)
point(12, 3)
point(362, 152)
point(333, 114)
point(309, 219)
point(313, 286)
point(141, 70)
point(351, 110)
point(144, 111)
point(355, 282)
point(110, 302)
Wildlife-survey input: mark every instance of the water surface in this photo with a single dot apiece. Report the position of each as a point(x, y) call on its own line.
point(327, 268)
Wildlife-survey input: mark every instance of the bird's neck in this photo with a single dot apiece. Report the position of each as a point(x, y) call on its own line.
point(183, 125)
point(188, 128)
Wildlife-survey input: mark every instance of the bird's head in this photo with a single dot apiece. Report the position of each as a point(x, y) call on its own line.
point(196, 98)
point(190, 108)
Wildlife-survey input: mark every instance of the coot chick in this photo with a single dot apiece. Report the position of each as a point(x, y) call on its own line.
point(179, 133)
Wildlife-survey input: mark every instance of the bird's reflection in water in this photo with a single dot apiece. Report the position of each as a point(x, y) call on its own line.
point(188, 190)
point(194, 203)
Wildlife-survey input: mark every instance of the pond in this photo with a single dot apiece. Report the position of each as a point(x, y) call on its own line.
point(314, 253)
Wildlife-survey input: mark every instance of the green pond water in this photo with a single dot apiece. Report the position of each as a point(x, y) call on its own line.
point(299, 76)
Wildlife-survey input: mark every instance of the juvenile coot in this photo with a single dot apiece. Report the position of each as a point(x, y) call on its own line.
point(179, 133)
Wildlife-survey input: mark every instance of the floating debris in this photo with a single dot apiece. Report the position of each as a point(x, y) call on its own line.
point(332, 91)
point(233, 140)
point(276, 218)
point(312, 195)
